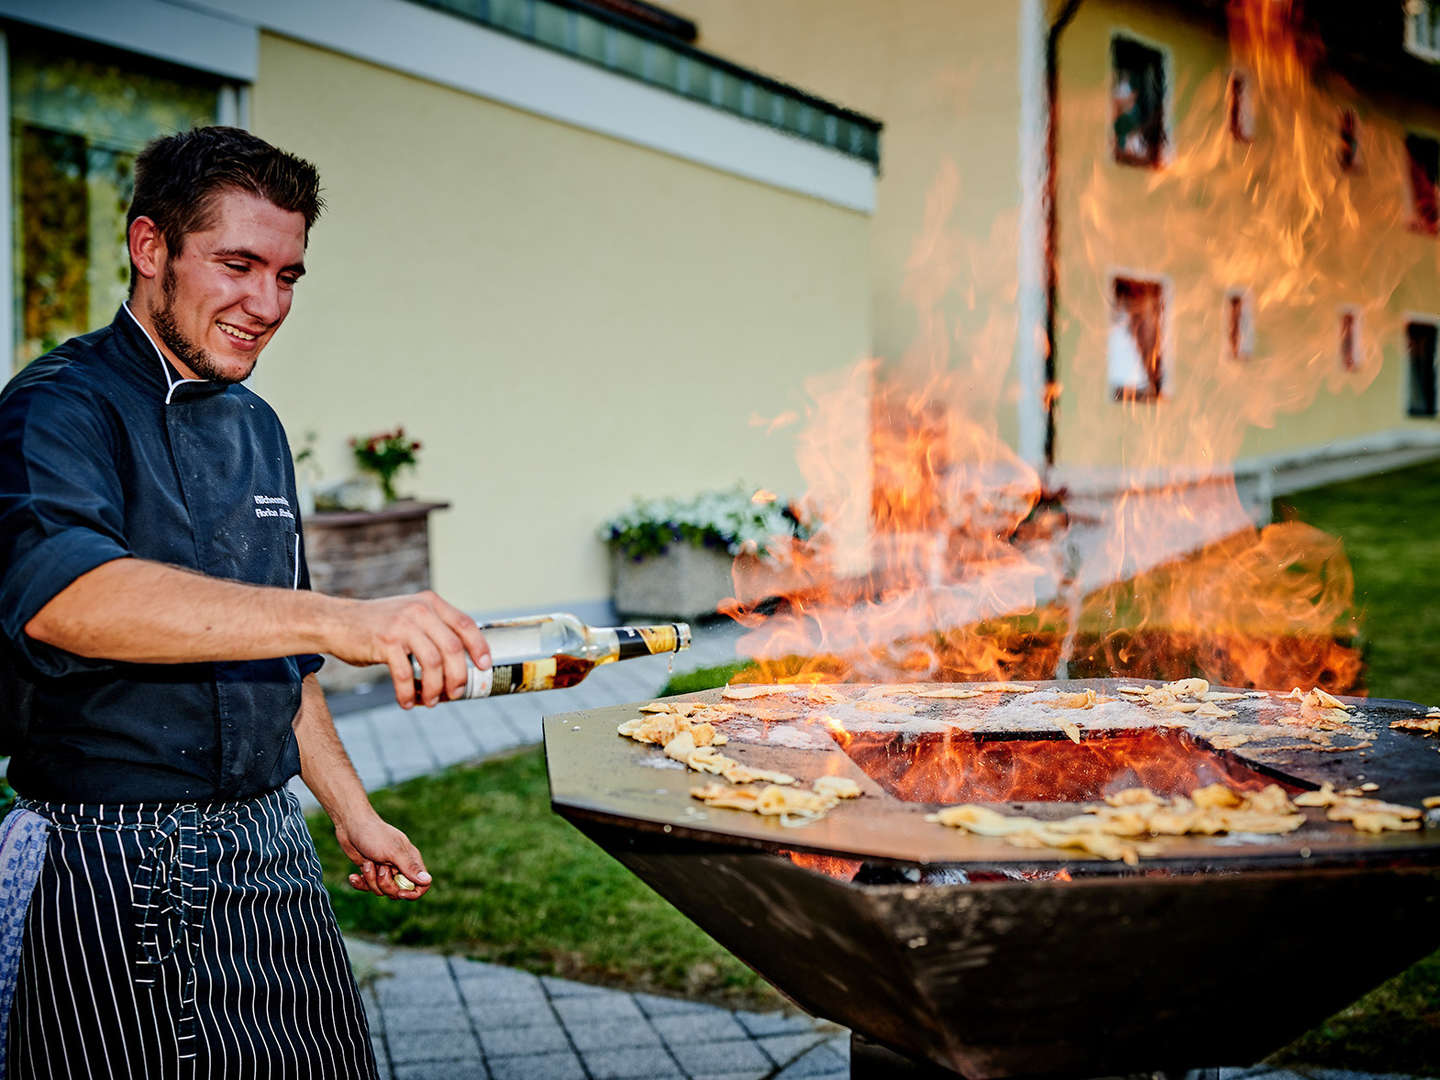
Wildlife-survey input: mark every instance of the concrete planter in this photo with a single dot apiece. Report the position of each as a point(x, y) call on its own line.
point(685, 582)
point(366, 554)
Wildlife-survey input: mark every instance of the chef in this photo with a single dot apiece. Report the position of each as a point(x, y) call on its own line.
point(163, 914)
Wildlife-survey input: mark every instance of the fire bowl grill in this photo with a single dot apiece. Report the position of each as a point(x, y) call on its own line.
point(995, 961)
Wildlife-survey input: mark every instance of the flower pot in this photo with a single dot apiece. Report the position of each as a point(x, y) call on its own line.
point(683, 582)
point(367, 554)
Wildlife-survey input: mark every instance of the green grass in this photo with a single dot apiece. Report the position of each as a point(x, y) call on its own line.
point(517, 885)
point(1390, 525)
point(704, 678)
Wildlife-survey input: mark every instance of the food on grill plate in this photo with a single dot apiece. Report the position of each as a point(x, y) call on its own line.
point(1125, 828)
point(793, 806)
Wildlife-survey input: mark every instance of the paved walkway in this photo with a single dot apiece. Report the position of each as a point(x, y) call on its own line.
point(446, 1018)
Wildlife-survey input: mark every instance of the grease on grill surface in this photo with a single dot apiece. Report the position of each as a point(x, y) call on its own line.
point(1125, 829)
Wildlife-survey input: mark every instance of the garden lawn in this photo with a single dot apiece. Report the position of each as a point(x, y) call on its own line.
point(1390, 525)
point(515, 884)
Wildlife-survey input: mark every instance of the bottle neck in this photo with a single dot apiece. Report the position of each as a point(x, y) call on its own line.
point(649, 640)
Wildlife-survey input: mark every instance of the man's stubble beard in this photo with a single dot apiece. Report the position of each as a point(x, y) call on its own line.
point(186, 351)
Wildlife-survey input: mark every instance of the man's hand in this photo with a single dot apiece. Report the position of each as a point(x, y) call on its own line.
point(382, 852)
point(393, 629)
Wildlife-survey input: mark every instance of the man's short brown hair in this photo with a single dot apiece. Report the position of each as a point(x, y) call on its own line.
point(178, 176)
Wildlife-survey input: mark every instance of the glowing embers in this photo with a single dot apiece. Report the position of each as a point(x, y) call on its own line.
point(960, 767)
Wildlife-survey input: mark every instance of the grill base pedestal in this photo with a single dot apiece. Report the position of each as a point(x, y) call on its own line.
point(871, 1061)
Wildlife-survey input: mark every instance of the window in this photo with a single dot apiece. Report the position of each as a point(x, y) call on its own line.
point(1239, 326)
point(1349, 339)
point(1422, 28)
point(1138, 99)
point(1348, 152)
point(79, 115)
point(1134, 346)
point(1424, 156)
point(1420, 341)
point(1240, 107)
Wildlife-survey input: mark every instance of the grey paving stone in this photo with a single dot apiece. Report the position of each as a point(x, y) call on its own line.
point(840, 1046)
point(465, 968)
point(821, 1061)
point(526, 1039)
point(758, 1024)
point(784, 1049)
point(502, 1014)
point(448, 1070)
point(611, 1035)
point(483, 993)
point(756, 1074)
point(435, 1017)
point(377, 1046)
point(558, 988)
point(648, 1062)
point(597, 1008)
point(414, 964)
point(417, 990)
point(697, 1027)
point(491, 734)
point(564, 1066)
point(654, 1005)
point(407, 1047)
point(712, 1057)
point(527, 727)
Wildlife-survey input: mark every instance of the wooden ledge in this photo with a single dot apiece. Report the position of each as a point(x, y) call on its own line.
point(404, 510)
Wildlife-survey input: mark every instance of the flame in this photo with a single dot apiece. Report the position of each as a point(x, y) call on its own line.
point(829, 865)
point(961, 767)
point(942, 555)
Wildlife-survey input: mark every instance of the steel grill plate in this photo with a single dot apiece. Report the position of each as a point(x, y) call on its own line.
point(1217, 953)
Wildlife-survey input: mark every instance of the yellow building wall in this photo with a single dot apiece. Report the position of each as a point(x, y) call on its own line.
point(564, 320)
point(1277, 218)
point(943, 77)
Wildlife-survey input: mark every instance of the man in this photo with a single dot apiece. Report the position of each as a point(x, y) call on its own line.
point(155, 604)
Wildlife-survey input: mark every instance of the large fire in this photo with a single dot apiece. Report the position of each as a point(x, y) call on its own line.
point(944, 556)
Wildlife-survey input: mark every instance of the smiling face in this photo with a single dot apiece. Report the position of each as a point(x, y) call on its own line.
point(216, 305)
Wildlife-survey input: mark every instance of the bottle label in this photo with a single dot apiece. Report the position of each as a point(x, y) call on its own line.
point(479, 683)
point(646, 640)
point(521, 678)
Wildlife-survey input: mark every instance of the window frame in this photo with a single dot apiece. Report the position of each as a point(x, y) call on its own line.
point(1407, 319)
point(1244, 110)
point(1417, 223)
point(1413, 44)
point(1357, 344)
point(1246, 351)
point(1165, 338)
point(1166, 154)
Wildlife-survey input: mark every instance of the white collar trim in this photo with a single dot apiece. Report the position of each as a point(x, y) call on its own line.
point(170, 382)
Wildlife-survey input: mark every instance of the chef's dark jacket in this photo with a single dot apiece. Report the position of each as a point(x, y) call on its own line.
point(107, 452)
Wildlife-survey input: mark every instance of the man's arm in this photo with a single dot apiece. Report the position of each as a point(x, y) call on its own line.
point(146, 612)
point(377, 848)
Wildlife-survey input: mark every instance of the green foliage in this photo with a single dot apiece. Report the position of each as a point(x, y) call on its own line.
point(705, 678)
point(1390, 525)
point(733, 520)
point(516, 884)
point(384, 454)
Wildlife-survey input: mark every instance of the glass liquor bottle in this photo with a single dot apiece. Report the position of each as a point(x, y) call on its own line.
point(551, 652)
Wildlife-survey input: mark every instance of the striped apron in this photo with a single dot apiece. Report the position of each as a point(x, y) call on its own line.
point(181, 941)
